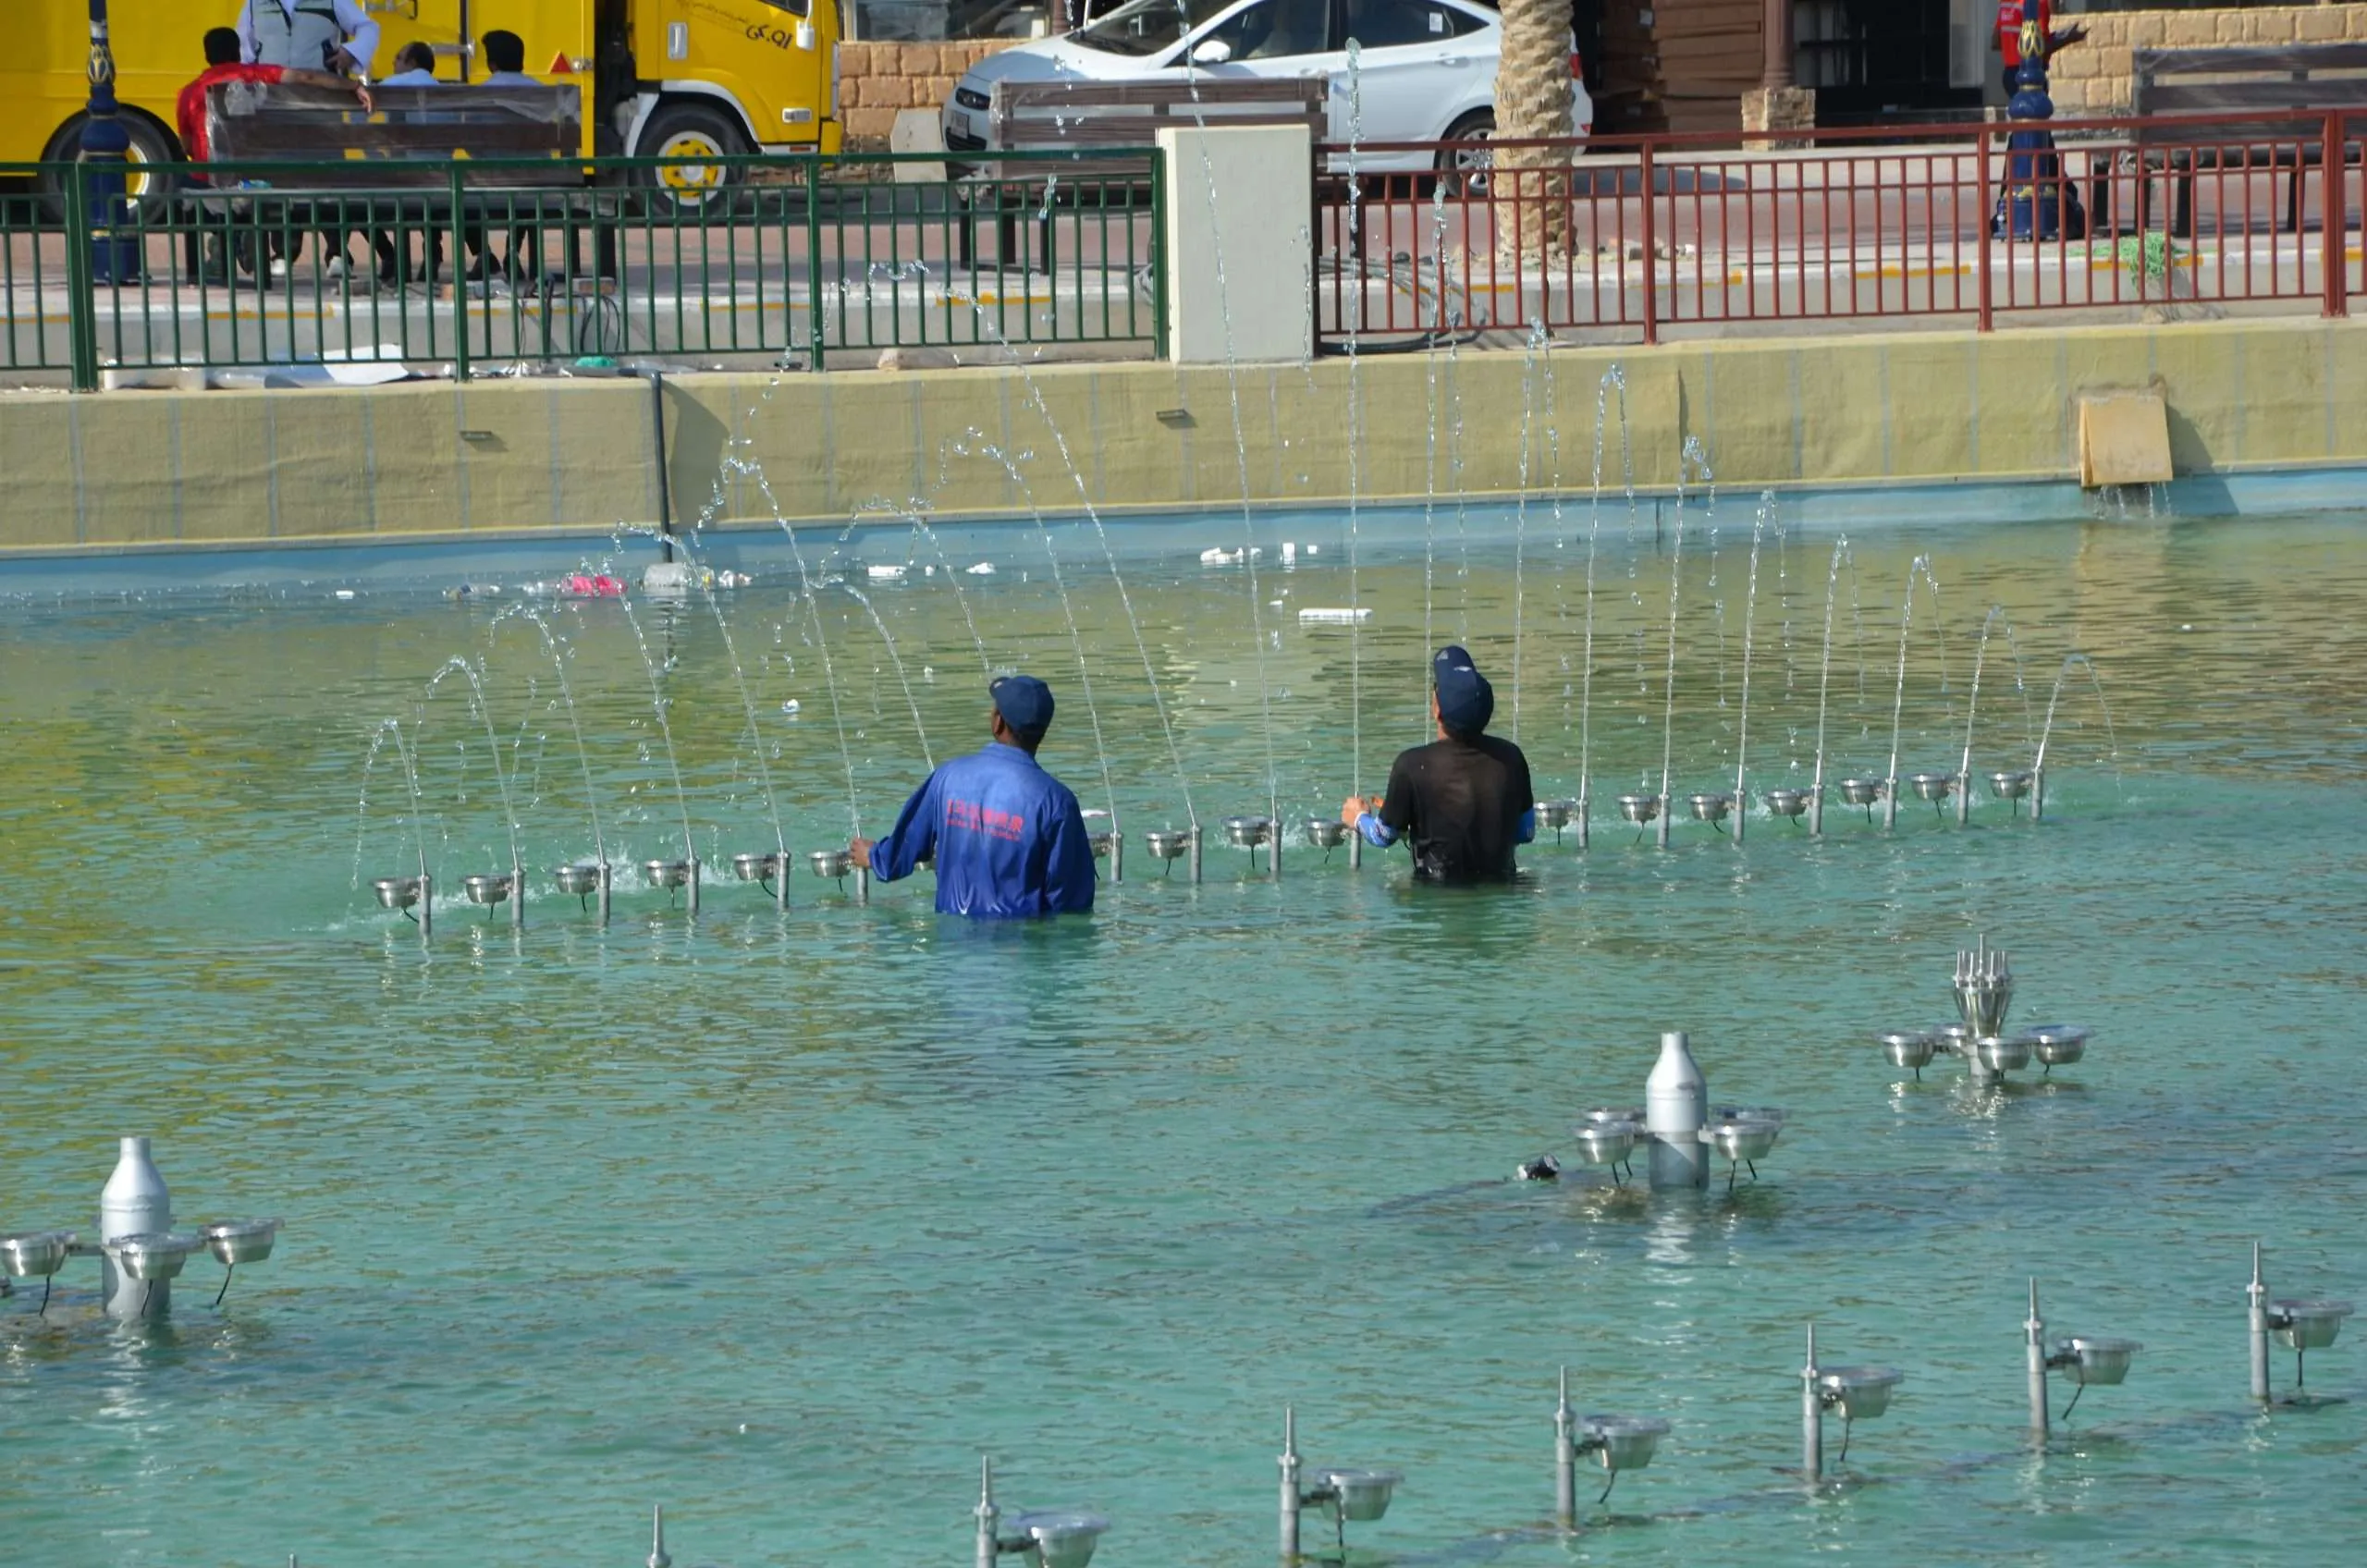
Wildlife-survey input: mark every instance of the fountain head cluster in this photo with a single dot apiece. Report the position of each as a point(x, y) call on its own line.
point(1984, 990)
point(140, 1250)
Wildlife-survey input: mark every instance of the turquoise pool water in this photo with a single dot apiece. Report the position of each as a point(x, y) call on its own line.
point(783, 1219)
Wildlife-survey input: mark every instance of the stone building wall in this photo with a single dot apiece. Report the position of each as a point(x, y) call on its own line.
point(876, 79)
point(2094, 77)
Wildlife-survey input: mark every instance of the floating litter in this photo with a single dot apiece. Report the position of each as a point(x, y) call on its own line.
point(1221, 557)
point(345, 593)
point(789, 706)
point(983, 569)
point(1342, 617)
point(883, 573)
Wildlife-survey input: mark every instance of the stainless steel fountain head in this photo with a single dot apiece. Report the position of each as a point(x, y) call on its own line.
point(1101, 841)
point(36, 1255)
point(2308, 1325)
point(1064, 1537)
point(2058, 1044)
point(1169, 844)
point(1639, 808)
point(1861, 792)
point(2097, 1360)
point(1984, 987)
point(233, 1242)
point(1861, 1392)
point(761, 867)
point(666, 873)
point(1326, 832)
point(1361, 1495)
point(830, 862)
point(1607, 1143)
point(1786, 803)
point(1932, 787)
point(1556, 815)
point(1909, 1047)
point(396, 892)
point(581, 878)
point(1743, 1141)
point(1248, 832)
point(487, 887)
point(154, 1254)
point(1623, 1442)
point(2009, 784)
point(1711, 807)
point(1994, 1054)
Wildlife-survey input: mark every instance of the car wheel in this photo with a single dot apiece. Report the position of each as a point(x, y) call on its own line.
point(144, 181)
point(1463, 171)
point(691, 131)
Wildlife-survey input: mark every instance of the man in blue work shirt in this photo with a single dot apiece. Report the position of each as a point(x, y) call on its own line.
point(1463, 802)
point(1007, 837)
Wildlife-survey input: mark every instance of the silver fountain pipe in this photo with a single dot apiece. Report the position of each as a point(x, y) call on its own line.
point(1676, 1103)
point(2257, 1293)
point(604, 886)
point(517, 893)
point(1566, 1460)
point(694, 875)
point(2034, 1334)
point(1192, 860)
point(133, 1203)
point(986, 1514)
point(1117, 848)
point(1290, 1494)
point(658, 1558)
point(1812, 1416)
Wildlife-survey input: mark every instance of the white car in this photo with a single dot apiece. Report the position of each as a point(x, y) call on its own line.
point(1426, 69)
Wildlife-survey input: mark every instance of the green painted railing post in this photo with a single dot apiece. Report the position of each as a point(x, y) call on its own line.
point(1158, 256)
point(82, 294)
point(814, 259)
point(457, 259)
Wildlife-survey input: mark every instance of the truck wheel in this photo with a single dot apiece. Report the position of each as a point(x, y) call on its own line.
point(690, 130)
point(152, 145)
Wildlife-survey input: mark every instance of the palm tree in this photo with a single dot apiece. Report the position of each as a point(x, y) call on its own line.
point(1533, 100)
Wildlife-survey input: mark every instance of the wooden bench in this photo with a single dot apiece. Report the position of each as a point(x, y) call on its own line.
point(2228, 83)
point(1085, 117)
point(311, 158)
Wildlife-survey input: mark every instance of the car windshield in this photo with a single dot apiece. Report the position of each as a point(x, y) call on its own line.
point(1145, 26)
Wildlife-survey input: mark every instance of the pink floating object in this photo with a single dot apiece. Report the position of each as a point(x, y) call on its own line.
point(584, 585)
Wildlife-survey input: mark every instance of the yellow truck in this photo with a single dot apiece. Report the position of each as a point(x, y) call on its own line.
point(660, 78)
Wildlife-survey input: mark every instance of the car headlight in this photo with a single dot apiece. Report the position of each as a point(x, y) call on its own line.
point(970, 98)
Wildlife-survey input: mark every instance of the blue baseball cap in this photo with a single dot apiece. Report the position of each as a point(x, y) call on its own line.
point(1465, 700)
point(1025, 704)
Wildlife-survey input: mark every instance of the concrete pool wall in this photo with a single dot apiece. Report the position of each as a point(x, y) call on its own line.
point(2268, 412)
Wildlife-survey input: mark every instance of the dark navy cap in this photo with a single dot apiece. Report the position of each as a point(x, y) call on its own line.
point(1025, 704)
point(1465, 700)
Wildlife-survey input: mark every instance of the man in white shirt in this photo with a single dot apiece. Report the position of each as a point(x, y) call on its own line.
point(311, 35)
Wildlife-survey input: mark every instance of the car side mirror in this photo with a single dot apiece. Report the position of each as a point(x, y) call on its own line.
point(1211, 52)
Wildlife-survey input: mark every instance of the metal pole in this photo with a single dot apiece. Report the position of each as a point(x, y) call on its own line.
point(604, 890)
point(1964, 797)
point(694, 885)
point(1290, 1486)
point(1652, 271)
point(517, 895)
point(2258, 1295)
point(2038, 792)
point(1566, 1460)
point(665, 476)
point(1274, 852)
point(1117, 851)
point(658, 1558)
point(106, 148)
point(1812, 1416)
point(1355, 849)
point(426, 906)
point(2034, 1332)
point(863, 883)
point(1585, 804)
point(2334, 268)
point(986, 1514)
point(1194, 861)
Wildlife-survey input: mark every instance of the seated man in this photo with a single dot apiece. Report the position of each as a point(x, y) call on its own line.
point(505, 56)
point(1463, 802)
point(1007, 838)
point(223, 64)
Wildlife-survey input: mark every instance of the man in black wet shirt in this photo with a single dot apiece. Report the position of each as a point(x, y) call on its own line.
point(1463, 802)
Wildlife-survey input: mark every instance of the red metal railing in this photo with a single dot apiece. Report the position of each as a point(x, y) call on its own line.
point(1626, 237)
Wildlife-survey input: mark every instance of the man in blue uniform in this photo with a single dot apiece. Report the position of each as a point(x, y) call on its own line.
point(1463, 802)
point(1007, 837)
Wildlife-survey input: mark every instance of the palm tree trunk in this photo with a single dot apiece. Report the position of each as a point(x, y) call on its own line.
point(1531, 184)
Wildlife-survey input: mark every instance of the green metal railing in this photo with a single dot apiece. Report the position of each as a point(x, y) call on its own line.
point(791, 259)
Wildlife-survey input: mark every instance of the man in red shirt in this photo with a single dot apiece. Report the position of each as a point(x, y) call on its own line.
point(222, 63)
point(2011, 15)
